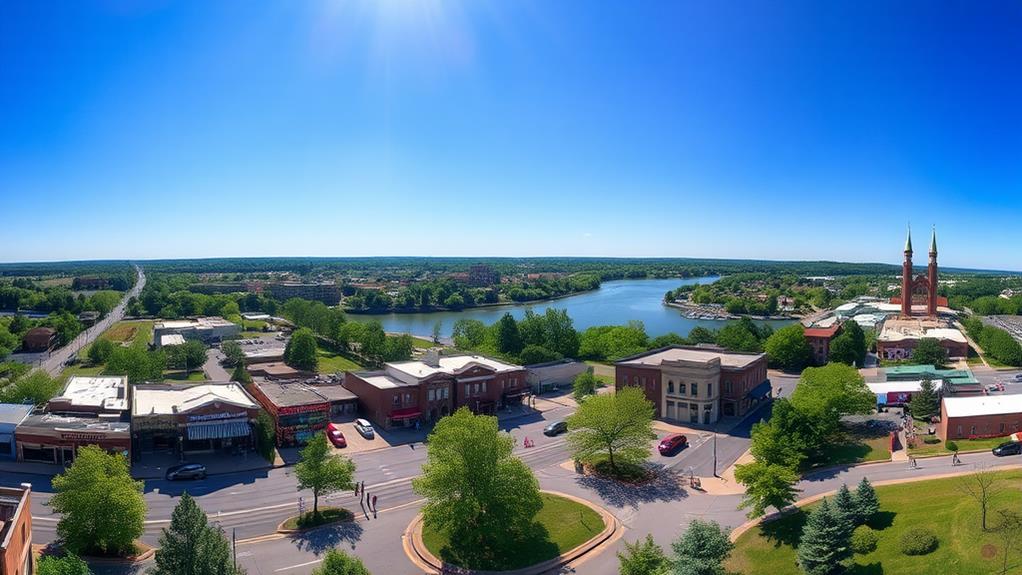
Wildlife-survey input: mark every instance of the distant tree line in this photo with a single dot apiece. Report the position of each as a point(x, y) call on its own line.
point(996, 342)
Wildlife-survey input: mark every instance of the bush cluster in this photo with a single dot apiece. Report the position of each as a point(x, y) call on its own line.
point(864, 540)
point(918, 541)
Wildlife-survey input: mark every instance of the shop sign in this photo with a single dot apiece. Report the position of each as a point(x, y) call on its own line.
point(292, 410)
point(213, 416)
point(74, 436)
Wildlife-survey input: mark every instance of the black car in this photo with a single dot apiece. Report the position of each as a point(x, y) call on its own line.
point(1009, 448)
point(555, 428)
point(186, 471)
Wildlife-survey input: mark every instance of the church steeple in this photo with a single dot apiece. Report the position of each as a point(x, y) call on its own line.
point(908, 241)
point(933, 241)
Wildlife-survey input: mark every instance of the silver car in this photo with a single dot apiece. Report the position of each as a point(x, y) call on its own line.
point(365, 429)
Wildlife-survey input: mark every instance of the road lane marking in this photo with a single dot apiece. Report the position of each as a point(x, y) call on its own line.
point(306, 564)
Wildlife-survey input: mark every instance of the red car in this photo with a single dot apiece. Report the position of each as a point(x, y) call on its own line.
point(335, 436)
point(672, 443)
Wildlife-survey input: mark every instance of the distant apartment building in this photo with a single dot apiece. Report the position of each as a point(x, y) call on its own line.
point(482, 275)
point(696, 384)
point(206, 329)
point(16, 530)
point(326, 292)
point(405, 392)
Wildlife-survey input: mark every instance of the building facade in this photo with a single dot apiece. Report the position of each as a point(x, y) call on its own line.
point(980, 416)
point(696, 384)
point(819, 339)
point(202, 418)
point(11, 416)
point(206, 329)
point(404, 393)
point(16, 530)
point(92, 397)
point(299, 411)
point(50, 438)
point(39, 339)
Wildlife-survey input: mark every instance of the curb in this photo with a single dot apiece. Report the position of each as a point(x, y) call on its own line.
point(416, 549)
point(283, 531)
point(741, 529)
point(136, 560)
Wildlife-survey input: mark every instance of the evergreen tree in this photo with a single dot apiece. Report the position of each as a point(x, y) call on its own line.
point(644, 557)
point(338, 562)
point(845, 504)
point(926, 402)
point(509, 338)
point(702, 549)
point(866, 503)
point(826, 541)
point(191, 546)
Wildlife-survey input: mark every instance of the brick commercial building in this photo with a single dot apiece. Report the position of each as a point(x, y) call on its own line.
point(39, 339)
point(819, 339)
point(92, 396)
point(51, 438)
point(696, 384)
point(980, 416)
point(405, 392)
point(326, 292)
point(199, 418)
point(16, 530)
point(300, 410)
point(899, 337)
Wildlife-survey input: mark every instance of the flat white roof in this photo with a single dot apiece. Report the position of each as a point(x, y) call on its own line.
point(172, 339)
point(98, 392)
point(983, 405)
point(727, 358)
point(902, 329)
point(896, 386)
point(162, 400)
point(199, 322)
point(450, 365)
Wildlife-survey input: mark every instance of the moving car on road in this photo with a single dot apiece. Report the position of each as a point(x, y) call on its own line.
point(364, 428)
point(672, 444)
point(1009, 448)
point(335, 436)
point(186, 471)
point(555, 428)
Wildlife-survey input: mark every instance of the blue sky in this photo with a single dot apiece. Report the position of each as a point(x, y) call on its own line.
point(780, 130)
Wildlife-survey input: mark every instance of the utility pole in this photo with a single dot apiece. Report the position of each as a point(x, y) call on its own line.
point(234, 546)
point(715, 449)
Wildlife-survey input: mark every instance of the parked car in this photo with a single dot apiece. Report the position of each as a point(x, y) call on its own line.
point(1018, 377)
point(365, 429)
point(1009, 448)
point(672, 444)
point(555, 428)
point(186, 471)
point(335, 436)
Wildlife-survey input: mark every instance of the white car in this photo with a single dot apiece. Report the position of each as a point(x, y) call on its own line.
point(1018, 377)
point(365, 429)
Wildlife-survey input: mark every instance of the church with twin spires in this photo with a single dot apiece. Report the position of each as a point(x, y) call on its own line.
point(919, 294)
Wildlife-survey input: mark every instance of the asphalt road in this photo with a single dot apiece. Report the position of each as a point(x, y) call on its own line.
point(54, 364)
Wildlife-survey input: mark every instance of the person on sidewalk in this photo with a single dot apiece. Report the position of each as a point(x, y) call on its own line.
point(955, 460)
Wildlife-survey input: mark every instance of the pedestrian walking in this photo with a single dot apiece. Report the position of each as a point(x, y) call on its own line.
point(955, 460)
point(912, 463)
point(374, 504)
point(356, 489)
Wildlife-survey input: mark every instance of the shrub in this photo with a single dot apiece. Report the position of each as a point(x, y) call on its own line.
point(951, 446)
point(931, 440)
point(864, 540)
point(918, 541)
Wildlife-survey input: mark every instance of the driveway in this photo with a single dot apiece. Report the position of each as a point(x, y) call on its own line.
point(212, 368)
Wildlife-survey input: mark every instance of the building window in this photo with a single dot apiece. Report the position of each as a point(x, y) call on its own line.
point(483, 386)
point(695, 390)
point(635, 380)
point(397, 400)
point(1002, 428)
point(709, 390)
point(670, 386)
point(468, 389)
point(959, 431)
point(681, 388)
point(727, 387)
point(973, 430)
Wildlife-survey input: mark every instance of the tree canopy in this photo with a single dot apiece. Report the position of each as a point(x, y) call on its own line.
point(321, 471)
point(702, 549)
point(337, 562)
point(788, 349)
point(102, 508)
point(928, 351)
point(301, 351)
point(615, 428)
point(476, 491)
point(69, 564)
point(191, 546)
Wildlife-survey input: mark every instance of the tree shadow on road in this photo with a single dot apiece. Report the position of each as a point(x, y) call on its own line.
point(322, 539)
point(664, 486)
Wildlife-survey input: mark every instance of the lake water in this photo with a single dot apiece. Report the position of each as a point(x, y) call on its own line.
point(616, 302)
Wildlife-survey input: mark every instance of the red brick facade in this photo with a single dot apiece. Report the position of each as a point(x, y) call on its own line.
point(16, 532)
point(978, 425)
point(818, 339)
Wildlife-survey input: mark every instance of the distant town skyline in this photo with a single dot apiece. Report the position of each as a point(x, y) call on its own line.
point(794, 131)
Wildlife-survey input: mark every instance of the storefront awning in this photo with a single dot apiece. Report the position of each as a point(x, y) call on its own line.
point(761, 391)
point(406, 413)
point(517, 394)
point(218, 430)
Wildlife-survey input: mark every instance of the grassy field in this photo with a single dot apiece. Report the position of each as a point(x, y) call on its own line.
point(963, 445)
point(562, 525)
point(332, 362)
point(172, 375)
point(855, 449)
point(422, 343)
point(134, 331)
point(80, 369)
point(937, 505)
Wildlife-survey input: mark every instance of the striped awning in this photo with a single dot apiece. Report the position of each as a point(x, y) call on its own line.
point(219, 430)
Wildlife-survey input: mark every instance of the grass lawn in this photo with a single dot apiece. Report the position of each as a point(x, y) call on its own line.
point(937, 505)
point(856, 448)
point(333, 362)
point(422, 343)
point(963, 445)
point(326, 515)
point(80, 369)
point(251, 334)
point(562, 524)
point(195, 375)
point(134, 331)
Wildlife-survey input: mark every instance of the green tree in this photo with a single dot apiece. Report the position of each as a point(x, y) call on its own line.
point(301, 350)
point(187, 356)
point(532, 354)
point(766, 485)
point(584, 384)
point(454, 301)
point(468, 333)
point(845, 503)
point(476, 491)
point(337, 562)
point(191, 546)
point(265, 435)
point(321, 471)
point(826, 543)
point(102, 508)
point(509, 339)
point(241, 375)
point(136, 363)
point(611, 342)
point(67, 565)
point(398, 348)
point(928, 351)
point(233, 355)
point(613, 427)
point(437, 327)
point(100, 351)
point(8, 341)
point(788, 349)
point(36, 388)
point(644, 557)
point(702, 549)
point(785, 439)
point(867, 505)
point(826, 393)
point(925, 403)
point(849, 347)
